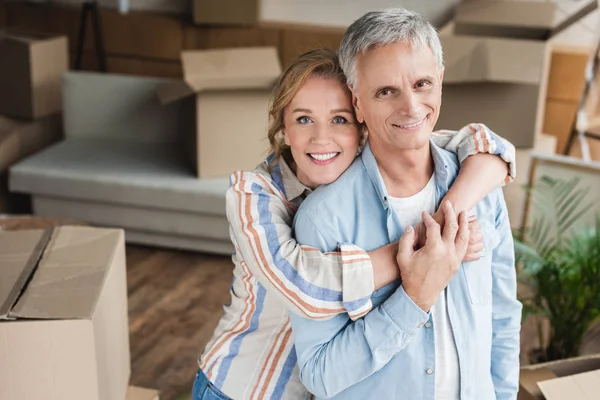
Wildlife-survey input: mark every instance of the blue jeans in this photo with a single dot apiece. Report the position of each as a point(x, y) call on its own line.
point(204, 389)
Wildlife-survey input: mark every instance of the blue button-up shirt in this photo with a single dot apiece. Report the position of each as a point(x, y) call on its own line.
point(390, 353)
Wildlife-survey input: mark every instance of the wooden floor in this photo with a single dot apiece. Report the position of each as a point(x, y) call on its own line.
point(175, 301)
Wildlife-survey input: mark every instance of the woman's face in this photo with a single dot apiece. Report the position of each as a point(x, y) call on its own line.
point(321, 131)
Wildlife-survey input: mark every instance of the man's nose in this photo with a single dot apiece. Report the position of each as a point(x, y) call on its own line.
point(407, 104)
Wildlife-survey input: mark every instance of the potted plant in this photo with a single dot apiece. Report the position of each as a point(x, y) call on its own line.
point(559, 266)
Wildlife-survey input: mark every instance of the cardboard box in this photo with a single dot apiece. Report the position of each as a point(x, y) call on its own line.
point(47, 18)
point(232, 91)
point(138, 393)
point(558, 121)
point(136, 66)
point(63, 305)
point(537, 20)
point(296, 41)
point(141, 34)
point(163, 6)
point(497, 81)
point(31, 68)
point(573, 379)
point(18, 140)
point(227, 12)
point(566, 79)
point(222, 37)
point(497, 64)
point(138, 33)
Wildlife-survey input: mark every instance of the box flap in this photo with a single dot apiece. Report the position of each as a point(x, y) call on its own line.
point(19, 255)
point(520, 18)
point(584, 386)
point(528, 381)
point(224, 69)
point(473, 59)
point(71, 274)
point(26, 37)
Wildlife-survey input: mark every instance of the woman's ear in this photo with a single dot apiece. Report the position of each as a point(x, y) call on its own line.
point(286, 138)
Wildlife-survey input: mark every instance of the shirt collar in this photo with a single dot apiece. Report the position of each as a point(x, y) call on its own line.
point(287, 181)
point(446, 169)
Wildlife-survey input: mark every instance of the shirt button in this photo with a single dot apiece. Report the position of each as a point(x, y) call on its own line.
point(428, 325)
point(420, 325)
point(429, 371)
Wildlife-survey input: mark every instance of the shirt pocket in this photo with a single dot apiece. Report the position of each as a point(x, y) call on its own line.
point(478, 274)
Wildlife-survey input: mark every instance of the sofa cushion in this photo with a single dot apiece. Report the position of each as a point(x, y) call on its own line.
point(154, 227)
point(151, 175)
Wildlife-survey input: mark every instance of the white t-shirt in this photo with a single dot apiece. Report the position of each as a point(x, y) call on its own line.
point(446, 357)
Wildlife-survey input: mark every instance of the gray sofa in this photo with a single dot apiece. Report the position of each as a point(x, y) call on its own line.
point(123, 164)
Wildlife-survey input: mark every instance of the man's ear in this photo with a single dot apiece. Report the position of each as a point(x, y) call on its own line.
point(442, 75)
point(357, 107)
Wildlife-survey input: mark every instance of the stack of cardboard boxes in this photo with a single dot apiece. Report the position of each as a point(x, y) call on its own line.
point(497, 57)
point(31, 67)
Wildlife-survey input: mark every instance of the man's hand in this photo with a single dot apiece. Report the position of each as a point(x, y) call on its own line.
point(428, 270)
point(475, 236)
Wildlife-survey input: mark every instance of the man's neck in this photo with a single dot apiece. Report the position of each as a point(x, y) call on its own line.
point(404, 172)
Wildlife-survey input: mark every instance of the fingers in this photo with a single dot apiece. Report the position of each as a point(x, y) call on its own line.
point(419, 235)
point(462, 237)
point(451, 224)
point(432, 229)
point(472, 257)
point(474, 251)
point(406, 243)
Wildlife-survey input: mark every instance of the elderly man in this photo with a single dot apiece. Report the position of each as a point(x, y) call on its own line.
point(448, 330)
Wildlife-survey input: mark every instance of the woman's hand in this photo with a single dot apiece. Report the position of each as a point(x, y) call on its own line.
point(475, 248)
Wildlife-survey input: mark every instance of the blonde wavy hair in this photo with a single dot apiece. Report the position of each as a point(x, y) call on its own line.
point(323, 63)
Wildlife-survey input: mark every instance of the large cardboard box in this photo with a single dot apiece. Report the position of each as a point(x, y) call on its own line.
point(18, 140)
point(232, 89)
point(63, 305)
point(298, 40)
point(574, 379)
point(531, 19)
point(497, 81)
point(31, 68)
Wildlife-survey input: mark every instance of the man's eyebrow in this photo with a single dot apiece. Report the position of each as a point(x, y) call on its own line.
point(428, 77)
point(341, 110)
point(302, 110)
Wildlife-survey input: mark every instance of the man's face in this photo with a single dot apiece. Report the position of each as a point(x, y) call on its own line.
point(399, 95)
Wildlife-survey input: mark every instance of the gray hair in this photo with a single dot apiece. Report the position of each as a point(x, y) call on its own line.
point(380, 28)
